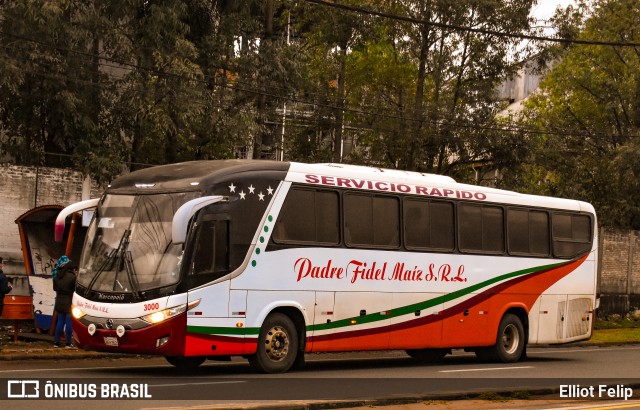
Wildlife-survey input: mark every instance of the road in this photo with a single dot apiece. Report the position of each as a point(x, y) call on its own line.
point(602, 372)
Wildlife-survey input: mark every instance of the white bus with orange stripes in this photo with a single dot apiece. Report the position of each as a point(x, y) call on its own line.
point(272, 260)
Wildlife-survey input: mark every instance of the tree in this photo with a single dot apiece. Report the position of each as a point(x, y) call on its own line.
point(587, 118)
point(434, 107)
point(52, 93)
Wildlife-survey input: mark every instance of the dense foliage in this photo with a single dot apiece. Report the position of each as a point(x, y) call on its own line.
point(587, 118)
point(109, 86)
point(149, 82)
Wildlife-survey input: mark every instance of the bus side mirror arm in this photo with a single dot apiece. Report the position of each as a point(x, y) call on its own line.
point(185, 212)
point(71, 209)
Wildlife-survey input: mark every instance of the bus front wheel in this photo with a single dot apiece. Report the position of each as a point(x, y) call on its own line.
point(510, 342)
point(277, 345)
point(185, 363)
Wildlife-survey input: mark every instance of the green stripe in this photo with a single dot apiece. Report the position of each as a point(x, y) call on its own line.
point(236, 331)
point(378, 316)
point(410, 309)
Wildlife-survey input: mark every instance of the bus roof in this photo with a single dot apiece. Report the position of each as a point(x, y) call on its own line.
point(191, 174)
point(200, 174)
point(391, 180)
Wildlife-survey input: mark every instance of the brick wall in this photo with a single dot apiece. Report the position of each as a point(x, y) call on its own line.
point(23, 188)
point(617, 249)
point(619, 271)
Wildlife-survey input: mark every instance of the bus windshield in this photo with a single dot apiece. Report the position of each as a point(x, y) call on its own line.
point(128, 247)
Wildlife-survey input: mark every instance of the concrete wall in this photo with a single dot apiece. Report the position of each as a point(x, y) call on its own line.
point(23, 188)
point(619, 271)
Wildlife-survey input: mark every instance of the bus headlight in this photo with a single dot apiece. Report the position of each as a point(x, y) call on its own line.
point(76, 312)
point(162, 315)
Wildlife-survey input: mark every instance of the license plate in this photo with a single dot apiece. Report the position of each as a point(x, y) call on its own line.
point(111, 341)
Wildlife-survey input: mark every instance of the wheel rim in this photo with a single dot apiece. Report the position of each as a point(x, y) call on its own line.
point(277, 343)
point(510, 339)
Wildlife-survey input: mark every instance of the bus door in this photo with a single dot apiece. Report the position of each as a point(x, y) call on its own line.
point(208, 258)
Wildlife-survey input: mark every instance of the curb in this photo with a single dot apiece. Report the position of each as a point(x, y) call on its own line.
point(9, 354)
point(78, 354)
point(61, 355)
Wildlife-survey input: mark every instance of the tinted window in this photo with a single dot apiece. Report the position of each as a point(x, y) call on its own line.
point(309, 216)
point(528, 232)
point(428, 224)
point(539, 243)
point(211, 253)
point(571, 235)
point(481, 228)
point(371, 220)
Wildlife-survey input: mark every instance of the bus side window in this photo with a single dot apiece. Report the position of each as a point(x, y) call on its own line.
point(309, 217)
point(371, 220)
point(428, 224)
point(481, 228)
point(528, 232)
point(572, 234)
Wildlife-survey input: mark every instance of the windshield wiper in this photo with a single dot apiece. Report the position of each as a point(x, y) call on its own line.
point(120, 257)
point(127, 262)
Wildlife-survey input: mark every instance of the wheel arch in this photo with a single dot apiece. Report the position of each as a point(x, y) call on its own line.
point(295, 312)
point(298, 320)
point(521, 312)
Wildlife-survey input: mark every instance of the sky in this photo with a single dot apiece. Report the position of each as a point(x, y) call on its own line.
point(545, 8)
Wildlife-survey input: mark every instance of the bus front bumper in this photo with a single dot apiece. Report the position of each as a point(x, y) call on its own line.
point(165, 338)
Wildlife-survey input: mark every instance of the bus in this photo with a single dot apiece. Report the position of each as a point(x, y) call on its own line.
point(271, 260)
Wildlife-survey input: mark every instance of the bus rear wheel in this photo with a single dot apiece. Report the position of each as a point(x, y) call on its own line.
point(510, 342)
point(427, 355)
point(277, 345)
point(185, 363)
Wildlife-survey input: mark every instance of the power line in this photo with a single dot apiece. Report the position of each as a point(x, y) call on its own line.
point(455, 27)
point(206, 80)
point(354, 125)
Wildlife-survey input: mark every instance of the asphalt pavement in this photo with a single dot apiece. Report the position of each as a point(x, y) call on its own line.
point(35, 346)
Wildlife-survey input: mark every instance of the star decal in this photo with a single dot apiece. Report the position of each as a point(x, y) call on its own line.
point(242, 195)
point(251, 189)
point(270, 190)
point(232, 188)
point(261, 196)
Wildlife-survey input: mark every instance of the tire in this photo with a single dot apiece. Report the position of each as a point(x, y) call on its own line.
point(183, 363)
point(427, 355)
point(277, 345)
point(510, 342)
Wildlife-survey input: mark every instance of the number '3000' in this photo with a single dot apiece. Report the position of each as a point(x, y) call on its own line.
point(151, 306)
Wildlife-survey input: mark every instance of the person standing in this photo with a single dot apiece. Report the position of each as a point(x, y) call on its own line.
point(64, 284)
point(5, 286)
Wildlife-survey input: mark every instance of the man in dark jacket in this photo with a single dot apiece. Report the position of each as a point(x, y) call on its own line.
point(5, 286)
point(64, 283)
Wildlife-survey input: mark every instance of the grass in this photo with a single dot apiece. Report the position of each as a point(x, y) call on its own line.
point(616, 329)
point(617, 322)
point(613, 336)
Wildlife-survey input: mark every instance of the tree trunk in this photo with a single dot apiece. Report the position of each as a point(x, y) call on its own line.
point(337, 146)
point(413, 156)
point(262, 103)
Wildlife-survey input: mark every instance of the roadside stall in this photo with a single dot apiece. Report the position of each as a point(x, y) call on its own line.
point(40, 253)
